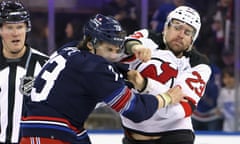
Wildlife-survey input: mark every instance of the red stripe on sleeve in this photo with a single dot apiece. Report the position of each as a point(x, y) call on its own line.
point(122, 101)
point(187, 108)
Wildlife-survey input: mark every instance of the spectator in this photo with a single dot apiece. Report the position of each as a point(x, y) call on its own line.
point(226, 100)
point(73, 31)
point(160, 15)
point(125, 12)
point(227, 59)
point(38, 37)
point(216, 37)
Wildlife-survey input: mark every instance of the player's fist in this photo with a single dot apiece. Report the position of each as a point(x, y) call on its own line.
point(141, 52)
point(176, 94)
point(172, 96)
point(136, 79)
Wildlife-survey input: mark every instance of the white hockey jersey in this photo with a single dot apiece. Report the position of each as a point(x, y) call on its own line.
point(163, 71)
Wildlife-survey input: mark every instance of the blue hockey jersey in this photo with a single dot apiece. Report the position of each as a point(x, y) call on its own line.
point(68, 88)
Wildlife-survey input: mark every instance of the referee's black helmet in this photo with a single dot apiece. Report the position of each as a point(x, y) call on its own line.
point(14, 12)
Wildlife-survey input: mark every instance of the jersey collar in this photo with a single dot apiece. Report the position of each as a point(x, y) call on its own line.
point(22, 61)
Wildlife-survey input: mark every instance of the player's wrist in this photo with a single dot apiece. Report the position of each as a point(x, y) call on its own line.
point(145, 82)
point(130, 45)
point(166, 99)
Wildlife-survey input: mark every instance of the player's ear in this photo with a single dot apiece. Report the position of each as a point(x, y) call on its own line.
point(90, 46)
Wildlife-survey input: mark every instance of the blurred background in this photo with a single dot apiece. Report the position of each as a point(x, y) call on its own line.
point(55, 22)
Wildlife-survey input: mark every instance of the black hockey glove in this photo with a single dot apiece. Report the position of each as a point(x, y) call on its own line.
point(123, 69)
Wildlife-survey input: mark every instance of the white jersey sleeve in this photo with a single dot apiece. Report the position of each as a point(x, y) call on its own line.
point(193, 82)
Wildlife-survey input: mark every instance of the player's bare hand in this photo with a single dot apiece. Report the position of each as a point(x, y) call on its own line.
point(141, 52)
point(136, 79)
point(176, 95)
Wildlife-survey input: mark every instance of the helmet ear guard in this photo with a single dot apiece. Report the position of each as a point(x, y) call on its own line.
point(104, 28)
point(14, 12)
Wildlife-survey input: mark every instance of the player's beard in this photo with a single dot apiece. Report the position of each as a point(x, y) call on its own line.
point(177, 53)
point(177, 47)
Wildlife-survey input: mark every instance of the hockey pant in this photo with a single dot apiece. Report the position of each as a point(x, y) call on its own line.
point(172, 137)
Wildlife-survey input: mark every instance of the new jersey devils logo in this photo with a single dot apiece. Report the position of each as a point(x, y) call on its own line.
point(159, 70)
point(26, 85)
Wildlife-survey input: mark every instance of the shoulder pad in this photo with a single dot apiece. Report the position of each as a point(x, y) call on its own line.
point(197, 58)
point(157, 38)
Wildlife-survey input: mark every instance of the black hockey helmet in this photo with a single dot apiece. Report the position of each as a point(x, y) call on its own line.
point(104, 28)
point(14, 12)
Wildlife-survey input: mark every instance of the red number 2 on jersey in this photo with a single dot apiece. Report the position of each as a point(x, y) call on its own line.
point(198, 82)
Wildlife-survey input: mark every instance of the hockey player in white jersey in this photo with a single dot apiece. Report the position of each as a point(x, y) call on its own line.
point(173, 62)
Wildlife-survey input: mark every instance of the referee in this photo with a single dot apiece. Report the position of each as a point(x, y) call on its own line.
point(19, 63)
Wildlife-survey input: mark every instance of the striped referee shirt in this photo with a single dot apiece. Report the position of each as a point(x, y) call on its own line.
point(16, 77)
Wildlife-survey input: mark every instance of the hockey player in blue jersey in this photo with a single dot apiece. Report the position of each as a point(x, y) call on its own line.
point(75, 79)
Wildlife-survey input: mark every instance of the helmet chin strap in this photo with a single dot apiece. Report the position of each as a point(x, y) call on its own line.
point(190, 46)
point(94, 51)
point(94, 43)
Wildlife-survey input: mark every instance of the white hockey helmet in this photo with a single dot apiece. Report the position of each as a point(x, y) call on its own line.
point(187, 15)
